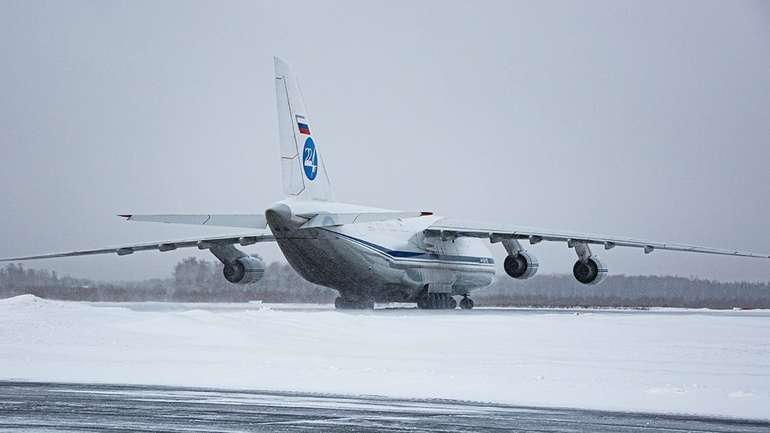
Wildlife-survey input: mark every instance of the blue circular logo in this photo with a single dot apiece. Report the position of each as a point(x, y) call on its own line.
point(310, 159)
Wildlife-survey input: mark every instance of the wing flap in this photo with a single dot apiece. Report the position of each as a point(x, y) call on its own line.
point(200, 243)
point(447, 228)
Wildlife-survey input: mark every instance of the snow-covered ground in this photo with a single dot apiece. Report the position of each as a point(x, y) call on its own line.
point(710, 363)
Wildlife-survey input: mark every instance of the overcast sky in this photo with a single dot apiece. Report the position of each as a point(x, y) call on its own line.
point(645, 119)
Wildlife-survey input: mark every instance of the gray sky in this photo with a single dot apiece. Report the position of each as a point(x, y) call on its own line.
point(646, 119)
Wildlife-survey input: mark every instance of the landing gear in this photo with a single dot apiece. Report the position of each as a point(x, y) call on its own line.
point(342, 303)
point(466, 303)
point(436, 301)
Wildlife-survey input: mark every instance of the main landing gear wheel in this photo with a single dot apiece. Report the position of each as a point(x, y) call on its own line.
point(466, 303)
point(341, 303)
point(436, 301)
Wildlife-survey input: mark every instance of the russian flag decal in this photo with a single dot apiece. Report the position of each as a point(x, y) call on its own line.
point(303, 128)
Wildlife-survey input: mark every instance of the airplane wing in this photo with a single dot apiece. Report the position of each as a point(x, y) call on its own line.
point(254, 221)
point(449, 228)
point(200, 243)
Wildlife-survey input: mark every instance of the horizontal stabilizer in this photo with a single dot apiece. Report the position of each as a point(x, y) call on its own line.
point(338, 219)
point(200, 243)
point(242, 220)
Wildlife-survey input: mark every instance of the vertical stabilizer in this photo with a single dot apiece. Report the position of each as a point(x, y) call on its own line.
point(303, 170)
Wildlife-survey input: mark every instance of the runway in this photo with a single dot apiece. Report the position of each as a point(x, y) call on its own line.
point(71, 407)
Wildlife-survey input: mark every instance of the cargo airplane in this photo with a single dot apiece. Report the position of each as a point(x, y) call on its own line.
point(370, 254)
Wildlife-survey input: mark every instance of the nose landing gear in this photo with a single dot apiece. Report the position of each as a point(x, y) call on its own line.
point(466, 303)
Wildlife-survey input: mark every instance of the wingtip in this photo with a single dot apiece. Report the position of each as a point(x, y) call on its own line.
point(426, 213)
point(126, 216)
point(281, 67)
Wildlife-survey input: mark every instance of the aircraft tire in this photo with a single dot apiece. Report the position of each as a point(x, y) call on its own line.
point(436, 301)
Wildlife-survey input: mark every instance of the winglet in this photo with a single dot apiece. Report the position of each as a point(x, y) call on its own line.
point(426, 213)
point(125, 216)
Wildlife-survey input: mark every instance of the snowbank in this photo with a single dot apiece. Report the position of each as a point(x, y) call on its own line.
point(700, 363)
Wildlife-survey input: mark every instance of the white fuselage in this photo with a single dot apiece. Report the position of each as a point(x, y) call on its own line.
point(385, 260)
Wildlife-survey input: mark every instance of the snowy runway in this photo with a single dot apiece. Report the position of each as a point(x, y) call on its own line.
point(61, 407)
point(705, 363)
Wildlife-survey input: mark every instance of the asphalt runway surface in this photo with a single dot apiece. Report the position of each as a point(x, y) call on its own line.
point(70, 407)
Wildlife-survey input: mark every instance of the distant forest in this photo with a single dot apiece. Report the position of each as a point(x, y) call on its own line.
point(196, 280)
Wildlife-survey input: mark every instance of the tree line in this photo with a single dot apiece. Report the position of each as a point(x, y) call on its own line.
point(196, 280)
point(192, 280)
point(639, 291)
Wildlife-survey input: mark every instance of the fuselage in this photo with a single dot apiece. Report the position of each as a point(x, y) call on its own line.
point(388, 261)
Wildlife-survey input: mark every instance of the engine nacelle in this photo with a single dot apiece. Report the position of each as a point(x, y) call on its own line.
point(591, 272)
point(521, 265)
point(245, 270)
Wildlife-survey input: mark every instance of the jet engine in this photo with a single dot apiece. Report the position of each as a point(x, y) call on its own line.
point(590, 271)
point(521, 265)
point(245, 270)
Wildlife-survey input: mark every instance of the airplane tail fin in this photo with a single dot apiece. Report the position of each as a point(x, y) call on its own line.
point(303, 170)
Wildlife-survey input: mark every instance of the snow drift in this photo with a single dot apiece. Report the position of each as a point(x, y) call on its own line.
point(707, 363)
